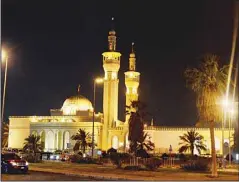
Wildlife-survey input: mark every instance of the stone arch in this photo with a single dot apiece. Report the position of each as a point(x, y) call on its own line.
point(50, 141)
point(66, 138)
point(43, 138)
point(115, 142)
point(60, 140)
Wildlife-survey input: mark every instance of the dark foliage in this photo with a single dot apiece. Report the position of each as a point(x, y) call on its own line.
point(198, 165)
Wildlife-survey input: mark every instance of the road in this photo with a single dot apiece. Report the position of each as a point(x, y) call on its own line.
point(42, 176)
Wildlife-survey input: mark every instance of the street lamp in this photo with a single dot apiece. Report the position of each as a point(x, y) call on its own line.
point(4, 58)
point(226, 104)
point(96, 81)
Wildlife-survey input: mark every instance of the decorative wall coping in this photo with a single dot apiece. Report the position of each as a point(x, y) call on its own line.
point(53, 117)
point(117, 128)
point(181, 128)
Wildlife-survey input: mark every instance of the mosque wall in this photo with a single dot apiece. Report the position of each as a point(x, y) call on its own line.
point(164, 137)
point(19, 129)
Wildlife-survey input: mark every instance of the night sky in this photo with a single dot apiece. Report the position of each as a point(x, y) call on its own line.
point(58, 45)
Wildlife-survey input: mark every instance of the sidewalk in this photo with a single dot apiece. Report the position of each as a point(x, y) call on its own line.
point(110, 173)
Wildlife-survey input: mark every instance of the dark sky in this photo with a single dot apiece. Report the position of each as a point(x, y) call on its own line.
point(58, 45)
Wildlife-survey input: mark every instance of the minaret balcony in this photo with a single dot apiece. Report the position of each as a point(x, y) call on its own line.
point(128, 79)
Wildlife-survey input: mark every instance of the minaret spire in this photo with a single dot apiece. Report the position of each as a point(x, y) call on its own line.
point(78, 89)
point(112, 38)
point(132, 78)
point(132, 59)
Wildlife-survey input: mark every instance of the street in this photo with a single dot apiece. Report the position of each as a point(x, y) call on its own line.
point(42, 176)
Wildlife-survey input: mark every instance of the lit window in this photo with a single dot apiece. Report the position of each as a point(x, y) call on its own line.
point(134, 91)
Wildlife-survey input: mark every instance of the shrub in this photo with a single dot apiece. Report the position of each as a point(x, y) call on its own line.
point(182, 156)
point(104, 154)
point(142, 153)
point(164, 156)
point(118, 158)
point(75, 158)
point(153, 163)
point(198, 165)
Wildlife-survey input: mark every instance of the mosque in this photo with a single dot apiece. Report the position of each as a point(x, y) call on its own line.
point(77, 112)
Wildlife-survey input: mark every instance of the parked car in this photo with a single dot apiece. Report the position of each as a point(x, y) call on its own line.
point(11, 162)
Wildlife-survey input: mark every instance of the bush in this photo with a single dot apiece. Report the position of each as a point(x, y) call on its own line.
point(142, 153)
point(164, 156)
point(75, 158)
point(198, 165)
point(104, 154)
point(118, 158)
point(153, 163)
point(182, 156)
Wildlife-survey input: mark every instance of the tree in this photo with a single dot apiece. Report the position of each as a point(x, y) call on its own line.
point(137, 137)
point(83, 140)
point(190, 141)
point(208, 81)
point(5, 133)
point(33, 145)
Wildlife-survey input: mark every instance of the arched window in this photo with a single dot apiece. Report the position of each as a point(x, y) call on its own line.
point(43, 138)
point(115, 142)
point(66, 139)
point(50, 141)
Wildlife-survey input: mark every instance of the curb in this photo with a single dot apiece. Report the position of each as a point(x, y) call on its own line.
point(83, 175)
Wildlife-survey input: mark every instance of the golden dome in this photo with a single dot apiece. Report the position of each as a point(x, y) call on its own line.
point(76, 103)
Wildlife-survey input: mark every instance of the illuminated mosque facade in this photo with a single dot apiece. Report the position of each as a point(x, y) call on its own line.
point(76, 113)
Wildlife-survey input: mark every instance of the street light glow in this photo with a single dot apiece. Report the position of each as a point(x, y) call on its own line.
point(99, 80)
point(4, 55)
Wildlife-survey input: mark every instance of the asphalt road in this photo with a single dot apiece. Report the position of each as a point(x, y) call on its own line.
point(42, 176)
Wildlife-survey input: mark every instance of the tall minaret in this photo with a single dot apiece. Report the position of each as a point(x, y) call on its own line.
point(111, 65)
point(131, 81)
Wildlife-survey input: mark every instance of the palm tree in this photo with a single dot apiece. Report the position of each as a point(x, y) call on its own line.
point(83, 140)
point(5, 133)
point(145, 145)
point(137, 137)
point(190, 141)
point(33, 145)
point(208, 81)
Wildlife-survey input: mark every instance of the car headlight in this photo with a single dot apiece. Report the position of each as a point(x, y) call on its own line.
point(27, 163)
point(13, 163)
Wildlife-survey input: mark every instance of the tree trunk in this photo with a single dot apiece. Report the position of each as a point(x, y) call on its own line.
point(213, 152)
point(192, 150)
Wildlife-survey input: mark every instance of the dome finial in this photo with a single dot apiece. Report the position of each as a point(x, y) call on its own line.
point(78, 89)
point(132, 47)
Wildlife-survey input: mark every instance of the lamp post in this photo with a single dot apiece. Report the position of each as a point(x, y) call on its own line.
point(96, 81)
point(4, 58)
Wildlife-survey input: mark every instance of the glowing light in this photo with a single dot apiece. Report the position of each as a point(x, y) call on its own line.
point(4, 55)
point(121, 144)
point(99, 80)
point(145, 125)
point(237, 157)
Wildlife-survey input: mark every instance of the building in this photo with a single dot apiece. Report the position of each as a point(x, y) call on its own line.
point(77, 112)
